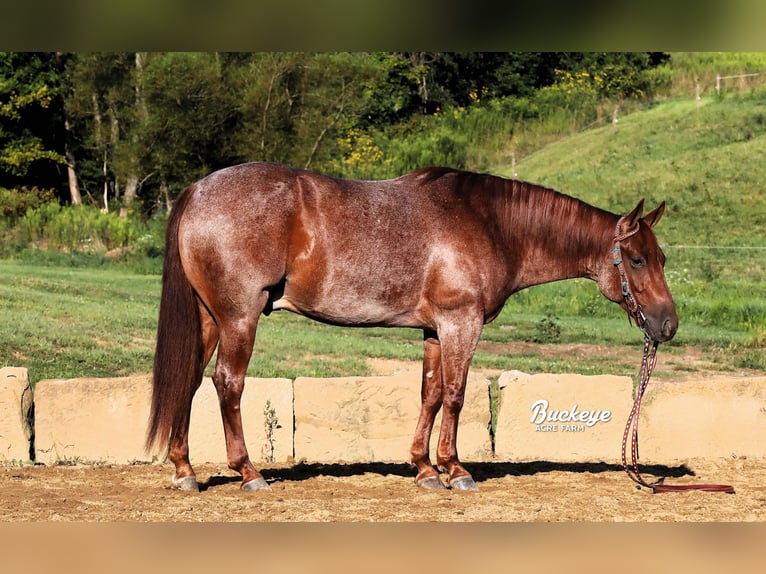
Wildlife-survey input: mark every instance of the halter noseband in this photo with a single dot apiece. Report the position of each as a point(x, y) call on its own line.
point(635, 311)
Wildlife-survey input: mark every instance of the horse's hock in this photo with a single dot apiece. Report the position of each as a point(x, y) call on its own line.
point(567, 418)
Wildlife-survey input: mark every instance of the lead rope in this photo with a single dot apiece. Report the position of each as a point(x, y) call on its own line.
point(631, 428)
point(647, 366)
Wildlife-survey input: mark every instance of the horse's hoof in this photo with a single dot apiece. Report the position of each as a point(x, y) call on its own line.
point(431, 483)
point(187, 483)
point(463, 483)
point(256, 484)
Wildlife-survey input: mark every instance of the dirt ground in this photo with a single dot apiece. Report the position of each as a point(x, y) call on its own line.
point(519, 492)
point(509, 492)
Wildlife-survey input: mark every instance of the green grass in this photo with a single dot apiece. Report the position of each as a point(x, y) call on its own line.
point(69, 315)
point(70, 322)
point(706, 162)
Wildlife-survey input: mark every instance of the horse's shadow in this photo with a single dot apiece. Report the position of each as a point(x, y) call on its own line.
point(480, 471)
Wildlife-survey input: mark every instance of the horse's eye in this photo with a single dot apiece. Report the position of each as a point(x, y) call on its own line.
point(637, 261)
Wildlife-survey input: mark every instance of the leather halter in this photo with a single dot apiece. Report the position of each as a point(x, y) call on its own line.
point(648, 361)
point(635, 311)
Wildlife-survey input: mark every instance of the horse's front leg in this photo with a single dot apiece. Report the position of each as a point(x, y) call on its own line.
point(431, 400)
point(459, 339)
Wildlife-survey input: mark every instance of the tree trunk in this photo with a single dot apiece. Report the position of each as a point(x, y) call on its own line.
point(74, 188)
point(131, 188)
point(101, 145)
point(105, 209)
point(131, 179)
point(75, 197)
point(166, 194)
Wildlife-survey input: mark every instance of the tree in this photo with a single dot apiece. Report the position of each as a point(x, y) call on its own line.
point(268, 85)
point(105, 101)
point(31, 124)
point(334, 96)
point(191, 114)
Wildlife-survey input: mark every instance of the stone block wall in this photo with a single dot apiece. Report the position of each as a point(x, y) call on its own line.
point(105, 420)
point(566, 418)
point(373, 419)
point(562, 418)
point(15, 414)
point(722, 417)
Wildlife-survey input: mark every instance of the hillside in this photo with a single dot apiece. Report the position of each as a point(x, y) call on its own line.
point(706, 162)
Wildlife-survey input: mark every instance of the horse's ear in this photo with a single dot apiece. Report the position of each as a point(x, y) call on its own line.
point(653, 217)
point(629, 223)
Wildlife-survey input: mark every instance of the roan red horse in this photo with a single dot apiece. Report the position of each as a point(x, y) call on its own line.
point(438, 249)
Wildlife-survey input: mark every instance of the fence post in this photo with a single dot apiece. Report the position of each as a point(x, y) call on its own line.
point(718, 84)
point(614, 118)
point(698, 98)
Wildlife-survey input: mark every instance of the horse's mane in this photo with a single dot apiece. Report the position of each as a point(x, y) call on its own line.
point(540, 211)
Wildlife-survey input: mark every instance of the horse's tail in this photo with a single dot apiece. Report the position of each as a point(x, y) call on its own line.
point(178, 358)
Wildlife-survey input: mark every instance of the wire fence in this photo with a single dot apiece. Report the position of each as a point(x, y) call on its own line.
point(727, 247)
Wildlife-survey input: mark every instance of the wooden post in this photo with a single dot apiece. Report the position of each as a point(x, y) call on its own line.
point(614, 118)
point(698, 99)
point(718, 84)
point(513, 164)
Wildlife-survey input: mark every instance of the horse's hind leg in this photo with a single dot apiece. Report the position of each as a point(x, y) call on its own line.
point(178, 453)
point(431, 401)
point(234, 350)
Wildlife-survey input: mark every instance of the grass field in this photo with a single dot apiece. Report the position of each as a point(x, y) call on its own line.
point(68, 322)
point(63, 316)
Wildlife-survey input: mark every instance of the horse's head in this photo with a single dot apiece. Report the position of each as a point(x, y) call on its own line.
point(635, 276)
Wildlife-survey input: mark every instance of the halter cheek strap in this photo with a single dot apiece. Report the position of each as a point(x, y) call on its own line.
point(635, 312)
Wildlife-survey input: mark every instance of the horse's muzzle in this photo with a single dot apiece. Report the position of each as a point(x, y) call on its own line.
point(661, 328)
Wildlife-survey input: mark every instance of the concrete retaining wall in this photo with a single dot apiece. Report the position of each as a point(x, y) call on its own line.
point(563, 418)
point(722, 416)
point(374, 418)
point(15, 414)
point(568, 418)
point(105, 420)
point(717, 417)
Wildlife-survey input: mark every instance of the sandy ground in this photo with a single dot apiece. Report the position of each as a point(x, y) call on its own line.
point(517, 492)
point(509, 492)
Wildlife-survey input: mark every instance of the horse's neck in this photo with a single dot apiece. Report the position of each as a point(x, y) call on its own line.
point(558, 237)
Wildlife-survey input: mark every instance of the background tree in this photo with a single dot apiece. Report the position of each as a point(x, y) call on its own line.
point(138, 127)
point(191, 115)
point(31, 121)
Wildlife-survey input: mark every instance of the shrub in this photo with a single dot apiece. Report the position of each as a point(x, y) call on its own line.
point(14, 203)
point(548, 330)
point(78, 227)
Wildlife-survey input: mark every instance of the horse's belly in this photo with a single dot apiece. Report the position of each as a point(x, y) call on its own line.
point(346, 307)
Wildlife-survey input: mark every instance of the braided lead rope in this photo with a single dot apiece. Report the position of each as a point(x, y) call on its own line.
point(647, 366)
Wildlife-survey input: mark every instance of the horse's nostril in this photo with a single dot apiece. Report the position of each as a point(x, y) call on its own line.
point(667, 329)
